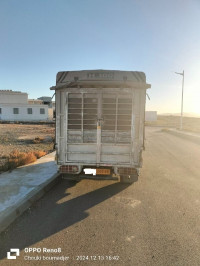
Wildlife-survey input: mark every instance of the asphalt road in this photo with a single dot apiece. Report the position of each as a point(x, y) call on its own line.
point(155, 221)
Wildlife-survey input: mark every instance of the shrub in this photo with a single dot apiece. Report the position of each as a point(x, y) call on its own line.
point(28, 158)
point(17, 158)
point(39, 154)
point(38, 140)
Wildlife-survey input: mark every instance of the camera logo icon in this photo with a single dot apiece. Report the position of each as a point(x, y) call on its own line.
point(13, 257)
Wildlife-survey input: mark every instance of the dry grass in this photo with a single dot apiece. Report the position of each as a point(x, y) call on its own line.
point(16, 159)
point(38, 140)
point(39, 154)
point(24, 139)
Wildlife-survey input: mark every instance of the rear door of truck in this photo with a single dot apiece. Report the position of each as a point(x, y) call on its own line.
point(100, 128)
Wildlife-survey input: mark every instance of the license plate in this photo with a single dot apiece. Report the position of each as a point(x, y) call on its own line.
point(102, 171)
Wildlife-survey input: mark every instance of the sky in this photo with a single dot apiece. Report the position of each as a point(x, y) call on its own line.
point(159, 37)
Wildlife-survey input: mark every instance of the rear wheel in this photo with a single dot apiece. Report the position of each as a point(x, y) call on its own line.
point(128, 179)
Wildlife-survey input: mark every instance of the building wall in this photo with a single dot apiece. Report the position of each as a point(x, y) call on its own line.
point(6, 112)
point(50, 113)
point(13, 97)
point(150, 115)
point(33, 101)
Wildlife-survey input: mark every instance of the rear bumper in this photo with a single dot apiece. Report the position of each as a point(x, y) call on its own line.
point(114, 170)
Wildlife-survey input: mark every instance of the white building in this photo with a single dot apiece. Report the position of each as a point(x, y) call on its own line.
point(51, 104)
point(14, 106)
point(150, 115)
point(35, 101)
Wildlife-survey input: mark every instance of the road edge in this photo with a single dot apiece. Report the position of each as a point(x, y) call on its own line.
point(184, 135)
point(14, 212)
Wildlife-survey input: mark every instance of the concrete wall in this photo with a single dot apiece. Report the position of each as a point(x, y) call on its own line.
point(13, 97)
point(8, 115)
point(33, 101)
point(150, 115)
point(50, 113)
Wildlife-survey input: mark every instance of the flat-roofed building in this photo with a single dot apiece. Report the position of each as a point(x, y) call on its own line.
point(14, 106)
point(51, 105)
point(9, 97)
point(35, 101)
point(150, 115)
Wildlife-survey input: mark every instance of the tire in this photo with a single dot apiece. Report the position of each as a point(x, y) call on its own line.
point(128, 179)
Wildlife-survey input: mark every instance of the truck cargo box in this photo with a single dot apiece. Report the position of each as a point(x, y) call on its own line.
point(100, 117)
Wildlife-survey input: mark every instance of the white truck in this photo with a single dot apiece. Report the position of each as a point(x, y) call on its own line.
point(100, 117)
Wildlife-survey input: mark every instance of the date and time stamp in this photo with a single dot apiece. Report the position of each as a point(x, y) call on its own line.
point(97, 257)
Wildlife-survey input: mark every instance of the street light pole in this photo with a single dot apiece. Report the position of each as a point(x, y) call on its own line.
point(181, 118)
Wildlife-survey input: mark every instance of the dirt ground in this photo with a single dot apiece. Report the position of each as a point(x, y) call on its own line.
point(190, 124)
point(22, 138)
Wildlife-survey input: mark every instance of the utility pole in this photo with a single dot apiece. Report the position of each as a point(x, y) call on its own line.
point(181, 118)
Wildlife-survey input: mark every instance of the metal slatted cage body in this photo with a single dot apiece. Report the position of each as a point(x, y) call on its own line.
point(99, 127)
point(97, 123)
